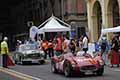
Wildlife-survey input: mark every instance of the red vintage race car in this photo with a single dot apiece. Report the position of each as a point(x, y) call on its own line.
point(70, 64)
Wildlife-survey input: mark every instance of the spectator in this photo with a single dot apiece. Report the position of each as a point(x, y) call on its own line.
point(18, 44)
point(4, 52)
point(45, 48)
point(65, 45)
point(85, 43)
point(81, 43)
point(58, 46)
point(115, 55)
point(104, 47)
point(50, 48)
point(72, 46)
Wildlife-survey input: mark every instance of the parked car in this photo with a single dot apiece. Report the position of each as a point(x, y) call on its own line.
point(70, 64)
point(28, 53)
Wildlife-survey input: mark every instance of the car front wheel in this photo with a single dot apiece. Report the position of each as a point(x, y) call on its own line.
point(100, 71)
point(53, 67)
point(41, 62)
point(67, 70)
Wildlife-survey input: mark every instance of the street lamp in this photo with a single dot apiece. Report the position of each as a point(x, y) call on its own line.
point(62, 9)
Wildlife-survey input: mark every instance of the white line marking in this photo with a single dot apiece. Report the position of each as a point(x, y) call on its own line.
point(15, 73)
point(117, 70)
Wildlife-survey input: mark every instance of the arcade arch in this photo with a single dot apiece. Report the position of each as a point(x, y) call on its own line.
point(97, 19)
point(113, 13)
point(102, 14)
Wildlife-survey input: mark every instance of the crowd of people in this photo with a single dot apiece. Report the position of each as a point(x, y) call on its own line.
point(61, 44)
point(110, 51)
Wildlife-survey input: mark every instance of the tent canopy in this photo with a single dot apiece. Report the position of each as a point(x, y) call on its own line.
point(54, 24)
point(108, 30)
point(114, 29)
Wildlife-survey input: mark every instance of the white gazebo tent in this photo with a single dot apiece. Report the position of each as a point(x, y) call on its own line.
point(53, 24)
point(114, 29)
point(108, 30)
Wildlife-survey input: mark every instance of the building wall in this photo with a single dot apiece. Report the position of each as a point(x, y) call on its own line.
point(75, 13)
point(107, 16)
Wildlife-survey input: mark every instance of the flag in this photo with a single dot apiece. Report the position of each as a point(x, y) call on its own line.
point(33, 32)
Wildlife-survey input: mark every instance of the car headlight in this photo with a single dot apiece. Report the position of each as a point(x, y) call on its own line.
point(101, 62)
point(73, 63)
point(24, 55)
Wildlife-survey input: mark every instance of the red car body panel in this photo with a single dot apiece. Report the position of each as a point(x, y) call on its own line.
point(79, 63)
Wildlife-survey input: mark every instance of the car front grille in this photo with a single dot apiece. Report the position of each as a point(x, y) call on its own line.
point(89, 67)
point(33, 56)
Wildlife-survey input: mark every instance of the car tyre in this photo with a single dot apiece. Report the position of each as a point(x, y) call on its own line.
point(100, 71)
point(53, 67)
point(41, 62)
point(68, 70)
point(22, 63)
point(16, 62)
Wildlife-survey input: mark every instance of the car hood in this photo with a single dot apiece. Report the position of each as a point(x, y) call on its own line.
point(83, 61)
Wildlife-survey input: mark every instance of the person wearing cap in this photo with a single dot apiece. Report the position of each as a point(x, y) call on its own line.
point(4, 51)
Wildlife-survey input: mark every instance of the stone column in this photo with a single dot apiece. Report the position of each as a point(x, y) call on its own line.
point(107, 17)
point(104, 15)
point(90, 25)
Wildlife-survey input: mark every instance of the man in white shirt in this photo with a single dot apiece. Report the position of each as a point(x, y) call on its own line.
point(85, 44)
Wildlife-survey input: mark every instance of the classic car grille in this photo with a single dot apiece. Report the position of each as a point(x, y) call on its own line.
point(33, 56)
point(90, 67)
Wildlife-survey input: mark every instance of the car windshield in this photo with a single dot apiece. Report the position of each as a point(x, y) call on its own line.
point(27, 47)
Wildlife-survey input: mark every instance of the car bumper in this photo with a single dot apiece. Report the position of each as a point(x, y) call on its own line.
point(80, 69)
point(27, 61)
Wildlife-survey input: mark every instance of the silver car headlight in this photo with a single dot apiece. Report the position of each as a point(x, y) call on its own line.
point(24, 55)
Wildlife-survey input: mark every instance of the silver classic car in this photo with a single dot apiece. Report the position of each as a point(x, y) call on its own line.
point(28, 53)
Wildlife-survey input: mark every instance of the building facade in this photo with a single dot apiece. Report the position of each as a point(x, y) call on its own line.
point(75, 13)
point(102, 14)
point(83, 15)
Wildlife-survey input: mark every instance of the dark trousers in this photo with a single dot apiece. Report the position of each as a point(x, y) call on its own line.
point(46, 52)
point(51, 52)
point(102, 51)
point(4, 60)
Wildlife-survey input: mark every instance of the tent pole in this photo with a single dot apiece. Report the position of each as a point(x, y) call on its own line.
point(70, 33)
point(44, 35)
